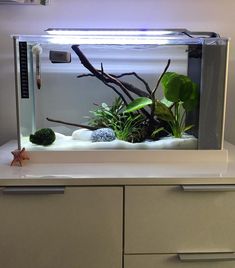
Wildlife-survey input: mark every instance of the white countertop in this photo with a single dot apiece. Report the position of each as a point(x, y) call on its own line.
point(164, 173)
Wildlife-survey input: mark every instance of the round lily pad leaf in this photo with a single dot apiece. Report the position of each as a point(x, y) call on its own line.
point(171, 83)
point(177, 87)
point(186, 88)
point(193, 100)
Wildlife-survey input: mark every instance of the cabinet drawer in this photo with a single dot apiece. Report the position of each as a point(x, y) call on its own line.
point(173, 261)
point(167, 219)
point(42, 227)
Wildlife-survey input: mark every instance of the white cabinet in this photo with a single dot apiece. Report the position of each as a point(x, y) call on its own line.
point(83, 227)
point(45, 228)
point(173, 261)
point(180, 226)
point(170, 219)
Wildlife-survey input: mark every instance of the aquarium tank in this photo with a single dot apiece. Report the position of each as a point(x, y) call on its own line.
point(84, 89)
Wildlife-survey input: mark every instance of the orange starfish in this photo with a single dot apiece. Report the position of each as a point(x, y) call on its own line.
point(19, 156)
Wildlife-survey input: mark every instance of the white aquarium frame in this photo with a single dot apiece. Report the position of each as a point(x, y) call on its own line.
point(142, 156)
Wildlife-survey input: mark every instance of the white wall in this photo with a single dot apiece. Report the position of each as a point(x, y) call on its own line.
point(208, 15)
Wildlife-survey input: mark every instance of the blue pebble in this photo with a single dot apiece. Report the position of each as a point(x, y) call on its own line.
point(103, 134)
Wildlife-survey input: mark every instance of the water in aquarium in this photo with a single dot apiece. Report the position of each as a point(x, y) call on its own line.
point(121, 90)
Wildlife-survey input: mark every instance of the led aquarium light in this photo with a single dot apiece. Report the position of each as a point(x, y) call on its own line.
point(126, 36)
point(108, 40)
point(114, 36)
point(171, 33)
point(112, 32)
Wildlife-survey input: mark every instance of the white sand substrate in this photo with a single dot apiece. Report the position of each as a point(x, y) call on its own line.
point(67, 143)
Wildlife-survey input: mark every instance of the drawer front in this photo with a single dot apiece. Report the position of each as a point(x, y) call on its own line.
point(168, 219)
point(42, 227)
point(173, 261)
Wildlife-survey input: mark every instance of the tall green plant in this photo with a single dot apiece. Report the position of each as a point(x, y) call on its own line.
point(180, 96)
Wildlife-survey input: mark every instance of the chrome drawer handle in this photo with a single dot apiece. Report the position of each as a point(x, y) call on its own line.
point(33, 190)
point(208, 188)
point(194, 257)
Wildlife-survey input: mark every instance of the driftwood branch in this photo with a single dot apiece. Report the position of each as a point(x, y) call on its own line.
point(107, 78)
point(100, 75)
point(120, 84)
point(71, 124)
point(138, 77)
point(85, 75)
point(127, 88)
point(118, 93)
point(107, 84)
point(160, 78)
point(153, 93)
point(111, 86)
point(137, 91)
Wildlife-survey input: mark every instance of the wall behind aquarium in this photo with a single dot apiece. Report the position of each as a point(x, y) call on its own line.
point(210, 15)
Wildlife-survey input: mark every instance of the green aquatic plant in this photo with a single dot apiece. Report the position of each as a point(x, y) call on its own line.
point(127, 126)
point(130, 127)
point(180, 96)
point(44, 136)
point(140, 103)
point(104, 115)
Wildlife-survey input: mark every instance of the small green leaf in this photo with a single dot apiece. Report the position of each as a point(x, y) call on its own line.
point(163, 112)
point(137, 104)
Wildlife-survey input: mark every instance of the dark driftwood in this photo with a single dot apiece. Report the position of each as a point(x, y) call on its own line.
point(122, 75)
point(107, 78)
point(153, 93)
point(160, 79)
point(118, 93)
point(126, 88)
point(71, 124)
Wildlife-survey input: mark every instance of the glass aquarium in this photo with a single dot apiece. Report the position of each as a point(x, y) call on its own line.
point(79, 89)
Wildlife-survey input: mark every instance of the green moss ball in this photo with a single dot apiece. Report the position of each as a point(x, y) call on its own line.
point(43, 136)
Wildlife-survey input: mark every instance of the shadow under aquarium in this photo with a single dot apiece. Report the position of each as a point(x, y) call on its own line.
point(120, 89)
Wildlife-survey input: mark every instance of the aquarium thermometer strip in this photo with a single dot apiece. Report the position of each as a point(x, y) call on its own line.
point(24, 70)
